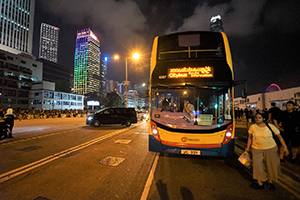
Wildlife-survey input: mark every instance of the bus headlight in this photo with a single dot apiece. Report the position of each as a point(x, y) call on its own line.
point(154, 131)
point(228, 134)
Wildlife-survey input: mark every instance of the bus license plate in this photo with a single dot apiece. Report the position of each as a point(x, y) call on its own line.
point(190, 152)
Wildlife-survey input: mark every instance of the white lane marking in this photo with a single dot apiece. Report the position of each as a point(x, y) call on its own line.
point(38, 137)
point(13, 173)
point(122, 141)
point(150, 179)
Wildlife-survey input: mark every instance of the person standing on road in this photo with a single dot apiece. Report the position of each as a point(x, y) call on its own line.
point(9, 118)
point(248, 113)
point(264, 152)
point(290, 130)
point(274, 113)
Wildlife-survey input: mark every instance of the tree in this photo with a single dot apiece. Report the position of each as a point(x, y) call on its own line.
point(114, 99)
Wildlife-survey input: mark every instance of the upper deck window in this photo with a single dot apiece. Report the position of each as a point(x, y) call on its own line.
point(191, 46)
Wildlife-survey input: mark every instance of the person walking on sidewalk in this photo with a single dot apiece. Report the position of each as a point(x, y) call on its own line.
point(264, 152)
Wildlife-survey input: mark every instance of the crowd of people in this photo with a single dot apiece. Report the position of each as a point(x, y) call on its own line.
point(265, 127)
point(43, 114)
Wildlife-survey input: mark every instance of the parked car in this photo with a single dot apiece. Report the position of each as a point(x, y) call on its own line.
point(112, 115)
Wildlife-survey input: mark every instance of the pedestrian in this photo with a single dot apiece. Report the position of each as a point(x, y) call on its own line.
point(248, 113)
point(264, 152)
point(274, 113)
point(290, 122)
point(9, 118)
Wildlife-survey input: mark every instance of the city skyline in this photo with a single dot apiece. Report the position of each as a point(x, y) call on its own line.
point(262, 34)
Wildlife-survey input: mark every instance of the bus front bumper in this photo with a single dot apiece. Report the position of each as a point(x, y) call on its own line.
point(226, 150)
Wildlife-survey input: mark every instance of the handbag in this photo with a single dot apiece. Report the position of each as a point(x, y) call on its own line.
point(274, 136)
point(245, 159)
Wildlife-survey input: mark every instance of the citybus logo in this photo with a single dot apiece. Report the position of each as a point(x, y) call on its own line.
point(185, 139)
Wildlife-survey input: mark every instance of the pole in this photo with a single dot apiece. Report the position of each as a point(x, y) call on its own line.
point(126, 86)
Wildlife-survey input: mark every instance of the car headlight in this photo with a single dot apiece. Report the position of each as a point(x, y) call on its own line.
point(146, 116)
point(89, 118)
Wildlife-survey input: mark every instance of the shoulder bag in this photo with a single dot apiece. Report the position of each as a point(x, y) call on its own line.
point(274, 136)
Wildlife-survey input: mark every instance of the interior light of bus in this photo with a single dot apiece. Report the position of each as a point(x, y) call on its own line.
point(154, 131)
point(216, 106)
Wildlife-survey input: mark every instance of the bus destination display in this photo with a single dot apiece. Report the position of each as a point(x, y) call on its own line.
point(191, 72)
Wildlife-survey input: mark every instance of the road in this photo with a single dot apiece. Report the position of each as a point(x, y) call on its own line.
point(65, 159)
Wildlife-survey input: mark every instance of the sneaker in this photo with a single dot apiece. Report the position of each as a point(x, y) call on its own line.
point(257, 186)
point(271, 186)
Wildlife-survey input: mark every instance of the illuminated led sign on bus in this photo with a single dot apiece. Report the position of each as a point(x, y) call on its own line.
point(191, 72)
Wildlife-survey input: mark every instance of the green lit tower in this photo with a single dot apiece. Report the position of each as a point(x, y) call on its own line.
point(86, 62)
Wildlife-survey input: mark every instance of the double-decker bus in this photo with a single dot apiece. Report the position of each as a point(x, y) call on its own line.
point(191, 95)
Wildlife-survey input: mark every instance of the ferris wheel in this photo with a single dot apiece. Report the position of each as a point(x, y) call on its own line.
point(273, 88)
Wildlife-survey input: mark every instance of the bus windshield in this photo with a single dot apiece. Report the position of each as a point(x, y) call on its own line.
point(191, 108)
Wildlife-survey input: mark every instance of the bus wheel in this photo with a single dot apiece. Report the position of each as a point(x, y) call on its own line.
point(97, 123)
point(127, 123)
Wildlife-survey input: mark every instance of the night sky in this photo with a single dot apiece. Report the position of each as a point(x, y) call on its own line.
point(263, 34)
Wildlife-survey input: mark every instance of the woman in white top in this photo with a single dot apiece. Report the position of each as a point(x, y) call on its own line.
point(264, 152)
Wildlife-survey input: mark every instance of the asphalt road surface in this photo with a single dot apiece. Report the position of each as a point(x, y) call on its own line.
point(65, 159)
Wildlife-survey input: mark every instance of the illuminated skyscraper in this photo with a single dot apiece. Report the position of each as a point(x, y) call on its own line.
point(87, 62)
point(16, 25)
point(103, 72)
point(48, 42)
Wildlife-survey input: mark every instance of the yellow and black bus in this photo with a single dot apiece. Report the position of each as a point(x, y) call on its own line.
point(191, 94)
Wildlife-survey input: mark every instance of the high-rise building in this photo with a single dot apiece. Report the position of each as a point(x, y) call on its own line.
point(111, 86)
point(16, 25)
point(103, 72)
point(87, 62)
point(48, 42)
point(216, 24)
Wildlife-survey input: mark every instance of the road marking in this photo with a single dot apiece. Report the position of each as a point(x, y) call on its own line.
point(122, 141)
point(13, 173)
point(150, 179)
point(38, 137)
point(112, 161)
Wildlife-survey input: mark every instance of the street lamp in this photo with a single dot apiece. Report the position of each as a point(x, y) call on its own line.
point(136, 57)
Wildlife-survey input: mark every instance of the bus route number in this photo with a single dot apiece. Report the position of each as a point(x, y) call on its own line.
point(190, 152)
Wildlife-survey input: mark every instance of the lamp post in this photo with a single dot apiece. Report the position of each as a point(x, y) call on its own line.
point(136, 57)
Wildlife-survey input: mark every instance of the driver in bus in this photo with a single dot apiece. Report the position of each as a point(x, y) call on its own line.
point(188, 107)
